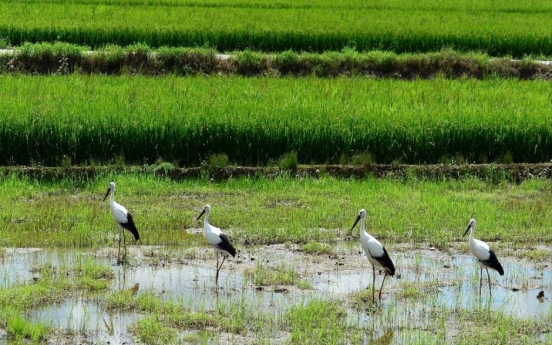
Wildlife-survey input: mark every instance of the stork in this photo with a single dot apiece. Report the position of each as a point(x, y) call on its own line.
point(124, 220)
point(217, 239)
point(375, 252)
point(484, 255)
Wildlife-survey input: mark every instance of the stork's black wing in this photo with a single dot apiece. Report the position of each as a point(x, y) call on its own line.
point(492, 262)
point(386, 262)
point(130, 226)
point(226, 245)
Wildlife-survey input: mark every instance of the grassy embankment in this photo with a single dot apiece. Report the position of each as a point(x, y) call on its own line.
point(63, 58)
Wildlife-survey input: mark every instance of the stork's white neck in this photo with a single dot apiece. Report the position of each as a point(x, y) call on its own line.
point(112, 198)
point(363, 226)
point(206, 219)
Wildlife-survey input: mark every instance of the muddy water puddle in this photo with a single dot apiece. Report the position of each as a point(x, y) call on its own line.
point(453, 281)
point(193, 286)
point(448, 281)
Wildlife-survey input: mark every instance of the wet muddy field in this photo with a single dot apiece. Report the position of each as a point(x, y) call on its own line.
point(269, 281)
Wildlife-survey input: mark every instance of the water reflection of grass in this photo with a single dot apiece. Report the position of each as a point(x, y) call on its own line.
point(49, 285)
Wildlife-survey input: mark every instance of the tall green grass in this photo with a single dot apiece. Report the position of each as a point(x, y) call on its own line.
point(505, 29)
point(137, 120)
point(256, 211)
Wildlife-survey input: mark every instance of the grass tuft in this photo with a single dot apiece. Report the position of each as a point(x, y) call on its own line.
point(321, 321)
point(288, 162)
point(318, 248)
point(280, 275)
point(22, 330)
point(150, 330)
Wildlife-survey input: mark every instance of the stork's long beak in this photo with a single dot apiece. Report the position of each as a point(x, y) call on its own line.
point(468, 229)
point(356, 221)
point(106, 194)
point(201, 214)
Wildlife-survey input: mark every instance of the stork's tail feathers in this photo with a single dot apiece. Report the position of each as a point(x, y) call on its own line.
point(492, 262)
point(130, 226)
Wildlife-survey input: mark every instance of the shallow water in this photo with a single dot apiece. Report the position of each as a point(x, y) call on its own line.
point(194, 286)
point(458, 284)
point(453, 282)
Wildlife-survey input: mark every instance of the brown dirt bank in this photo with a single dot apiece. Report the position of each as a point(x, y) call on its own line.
point(492, 172)
point(60, 59)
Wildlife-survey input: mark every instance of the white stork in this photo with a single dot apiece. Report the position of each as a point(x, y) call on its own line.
point(217, 239)
point(124, 220)
point(484, 254)
point(375, 252)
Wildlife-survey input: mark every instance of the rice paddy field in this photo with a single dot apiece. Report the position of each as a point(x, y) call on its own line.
point(299, 276)
point(516, 29)
point(288, 117)
point(82, 120)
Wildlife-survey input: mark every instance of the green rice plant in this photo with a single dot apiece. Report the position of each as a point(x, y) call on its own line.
point(124, 300)
point(253, 121)
point(417, 291)
point(4, 43)
point(506, 29)
point(362, 300)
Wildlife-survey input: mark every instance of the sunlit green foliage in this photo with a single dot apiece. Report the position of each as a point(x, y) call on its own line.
point(321, 321)
point(507, 28)
point(19, 329)
point(272, 211)
point(137, 120)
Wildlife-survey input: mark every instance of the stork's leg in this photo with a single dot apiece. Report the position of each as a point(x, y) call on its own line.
point(489, 277)
point(384, 276)
point(216, 277)
point(480, 280)
point(119, 252)
point(124, 245)
point(223, 258)
point(219, 267)
point(373, 284)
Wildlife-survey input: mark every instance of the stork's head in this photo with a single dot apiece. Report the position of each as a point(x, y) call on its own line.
point(205, 210)
point(361, 215)
point(471, 225)
point(111, 188)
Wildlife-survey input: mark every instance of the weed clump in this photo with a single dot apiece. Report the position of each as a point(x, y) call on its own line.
point(22, 330)
point(289, 162)
point(280, 275)
point(218, 161)
point(362, 159)
point(318, 248)
point(321, 321)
